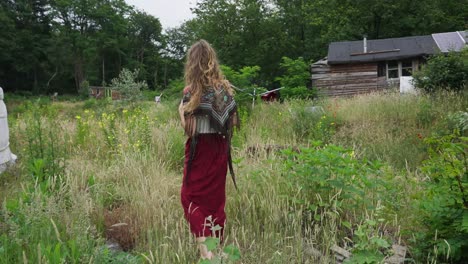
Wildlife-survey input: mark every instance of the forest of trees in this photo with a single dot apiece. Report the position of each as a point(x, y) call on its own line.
point(51, 46)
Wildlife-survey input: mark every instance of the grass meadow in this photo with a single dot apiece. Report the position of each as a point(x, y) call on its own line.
point(353, 172)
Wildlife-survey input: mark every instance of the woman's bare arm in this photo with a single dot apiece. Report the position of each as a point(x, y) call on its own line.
point(181, 114)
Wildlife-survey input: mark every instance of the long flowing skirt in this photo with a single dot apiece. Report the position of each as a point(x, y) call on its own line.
point(203, 194)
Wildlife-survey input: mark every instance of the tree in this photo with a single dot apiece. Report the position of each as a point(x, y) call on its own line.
point(128, 86)
point(90, 29)
point(295, 78)
point(26, 33)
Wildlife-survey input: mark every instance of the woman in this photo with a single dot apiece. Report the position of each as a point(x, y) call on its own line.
point(208, 115)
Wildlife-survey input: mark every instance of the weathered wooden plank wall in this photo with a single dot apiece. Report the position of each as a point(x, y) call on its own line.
point(346, 79)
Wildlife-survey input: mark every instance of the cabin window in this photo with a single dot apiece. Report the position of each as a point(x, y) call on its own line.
point(381, 69)
point(407, 68)
point(395, 69)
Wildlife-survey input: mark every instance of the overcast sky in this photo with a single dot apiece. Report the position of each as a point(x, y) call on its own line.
point(171, 13)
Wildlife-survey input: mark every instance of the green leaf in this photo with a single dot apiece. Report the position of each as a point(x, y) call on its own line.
point(91, 181)
point(211, 243)
point(346, 224)
point(233, 252)
point(317, 217)
point(380, 242)
point(464, 226)
point(313, 207)
point(371, 222)
point(216, 228)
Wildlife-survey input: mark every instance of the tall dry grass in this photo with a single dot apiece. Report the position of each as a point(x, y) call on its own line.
point(129, 191)
point(138, 189)
point(391, 127)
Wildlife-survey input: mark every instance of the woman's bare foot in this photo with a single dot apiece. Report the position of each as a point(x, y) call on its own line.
point(204, 253)
point(209, 255)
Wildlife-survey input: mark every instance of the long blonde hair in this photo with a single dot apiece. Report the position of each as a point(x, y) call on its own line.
point(201, 72)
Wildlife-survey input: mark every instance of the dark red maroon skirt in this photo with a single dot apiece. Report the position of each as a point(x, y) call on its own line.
point(203, 195)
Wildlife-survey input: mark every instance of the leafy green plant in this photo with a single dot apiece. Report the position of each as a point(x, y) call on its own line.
point(230, 253)
point(109, 130)
point(137, 128)
point(45, 155)
point(370, 246)
point(329, 170)
point(443, 71)
point(324, 129)
point(104, 255)
point(295, 78)
point(32, 235)
point(83, 127)
point(444, 209)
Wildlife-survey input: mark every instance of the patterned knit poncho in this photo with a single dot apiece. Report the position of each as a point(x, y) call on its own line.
point(219, 106)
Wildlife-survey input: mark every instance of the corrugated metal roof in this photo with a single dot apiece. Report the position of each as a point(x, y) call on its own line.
point(450, 41)
point(381, 49)
point(464, 35)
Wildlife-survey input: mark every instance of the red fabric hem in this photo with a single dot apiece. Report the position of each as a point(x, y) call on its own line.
point(203, 195)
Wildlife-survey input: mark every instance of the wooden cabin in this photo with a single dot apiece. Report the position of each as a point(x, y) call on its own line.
point(100, 92)
point(355, 67)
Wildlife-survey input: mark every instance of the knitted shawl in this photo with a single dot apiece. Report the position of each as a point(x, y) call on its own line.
point(219, 106)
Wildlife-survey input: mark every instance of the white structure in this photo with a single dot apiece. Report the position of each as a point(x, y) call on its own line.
point(157, 98)
point(406, 85)
point(6, 157)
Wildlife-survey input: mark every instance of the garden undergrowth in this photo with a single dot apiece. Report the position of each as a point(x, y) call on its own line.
point(353, 172)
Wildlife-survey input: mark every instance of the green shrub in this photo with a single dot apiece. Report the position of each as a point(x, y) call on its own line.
point(326, 171)
point(128, 86)
point(369, 244)
point(444, 206)
point(174, 89)
point(34, 231)
point(244, 79)
point(84, 90)
point(295, 78)
point(45, 154)
point(442, 71)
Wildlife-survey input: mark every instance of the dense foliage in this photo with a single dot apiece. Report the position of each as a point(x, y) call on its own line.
point(295, 79)
point(51, 46)
point(54, 46)
point(339, 172)
point(444, 71)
